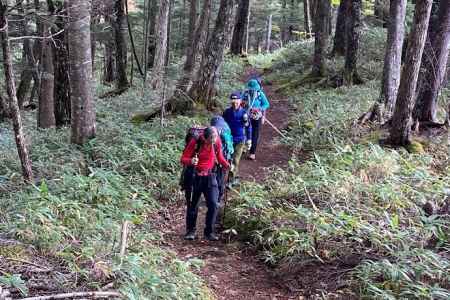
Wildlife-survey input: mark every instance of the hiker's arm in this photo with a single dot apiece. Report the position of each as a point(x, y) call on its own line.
point(264, 102)
point(220, 156)
point(188, 153)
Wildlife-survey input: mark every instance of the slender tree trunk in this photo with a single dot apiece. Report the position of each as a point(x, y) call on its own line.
point(321, 32)
point(340, 32)
point(238, 40)
point(193, 51)
point(80, 66)
point(284, 22)
point(203, 89)
point(61, 69)
point(307, 16)
point(169, 29)
point(161, 44)
point(392, 61)
point(120, 34)
point(381, 10)
point(401, 121)
point(26, 78)
point(46, 115)
point(247, 31)
point(353, 31)
point(109, 70)
point(269, 33)
point(13, 103)
point(153, 7)
point(434, 64)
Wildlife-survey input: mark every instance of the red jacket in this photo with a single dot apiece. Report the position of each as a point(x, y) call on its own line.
point(206, 155)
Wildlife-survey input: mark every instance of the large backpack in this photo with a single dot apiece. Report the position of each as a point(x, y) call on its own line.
point(225, 136)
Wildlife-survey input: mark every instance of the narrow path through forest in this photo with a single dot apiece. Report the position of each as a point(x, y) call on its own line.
point(233, 270)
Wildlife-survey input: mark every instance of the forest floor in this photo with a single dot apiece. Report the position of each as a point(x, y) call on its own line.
point(233, 270)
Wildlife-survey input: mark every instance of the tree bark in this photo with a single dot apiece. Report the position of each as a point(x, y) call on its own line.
point(238, 40)
point(353, 32)
point(19, 135)
point(120, 33)
point(269, 33)
point(61, 68)
point(153, 7)
point(434, 64)
point(203, 90)
point(46, 113)
point(381, 10)
point(307, 16)
point(193, 51)
point(109, 69)
point(392, 61)
point(340, 32)
point(80, 66)
point(321, 32)
point(401, 121)
point(161, 44)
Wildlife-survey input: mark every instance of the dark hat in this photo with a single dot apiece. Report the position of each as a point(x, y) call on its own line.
point(235, 95)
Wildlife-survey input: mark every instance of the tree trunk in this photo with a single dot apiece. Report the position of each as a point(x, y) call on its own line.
point(61, 69)
point(381, 10)
point(169, 29)
point(120, 34)
point(321, 31)
point(307, 15)
point(434, 64)
point(13, 103)
point(401, 121)
point(80, 66)
point(46, 114)
point(153, 7)
point(238, 40)
point(26, 78)
point(269, 33)
point(203, 90)
point(284, 23)
point(109, 69)
point(161, 44)
point(247, 32)
point(392, 61)
point(193, 50)
point(340, 33)
point(353, 32)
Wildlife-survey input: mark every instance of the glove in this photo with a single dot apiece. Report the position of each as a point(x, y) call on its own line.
point(249, 145)
point(232, 167)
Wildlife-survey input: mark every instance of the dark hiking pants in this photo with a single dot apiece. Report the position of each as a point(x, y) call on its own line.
point(206, 185)
point(256, 127)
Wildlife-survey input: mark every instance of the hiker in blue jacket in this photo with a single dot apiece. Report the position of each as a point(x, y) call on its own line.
point(256, 104)
point(239, 123)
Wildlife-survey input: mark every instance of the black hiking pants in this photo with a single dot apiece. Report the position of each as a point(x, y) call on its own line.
point(256, 127)
point(206, 185)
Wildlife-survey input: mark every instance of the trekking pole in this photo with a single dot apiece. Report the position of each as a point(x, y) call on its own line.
point(275, 128)
point(225, 199)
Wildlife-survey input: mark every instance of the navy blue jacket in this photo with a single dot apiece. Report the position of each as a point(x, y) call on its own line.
point(236, 120)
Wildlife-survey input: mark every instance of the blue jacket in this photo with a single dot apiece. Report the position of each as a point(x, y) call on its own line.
point(240, 128)
point(254, 97)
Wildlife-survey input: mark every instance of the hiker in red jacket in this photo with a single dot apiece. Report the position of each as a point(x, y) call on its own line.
point(204, 154)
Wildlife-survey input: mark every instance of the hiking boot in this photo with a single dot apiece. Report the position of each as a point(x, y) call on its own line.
point(190, 236)
point(212, 237)
point(252, 157)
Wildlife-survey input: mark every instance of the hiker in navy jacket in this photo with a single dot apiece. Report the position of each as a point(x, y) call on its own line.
point(256, 103)
point(241, 130)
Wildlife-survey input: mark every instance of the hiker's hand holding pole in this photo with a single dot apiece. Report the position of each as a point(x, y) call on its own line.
point(194, 161)
point(249, 145)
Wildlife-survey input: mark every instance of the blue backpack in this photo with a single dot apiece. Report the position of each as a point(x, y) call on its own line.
point(225, 136)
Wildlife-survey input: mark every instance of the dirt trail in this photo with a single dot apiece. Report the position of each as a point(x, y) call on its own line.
point(231, 270)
